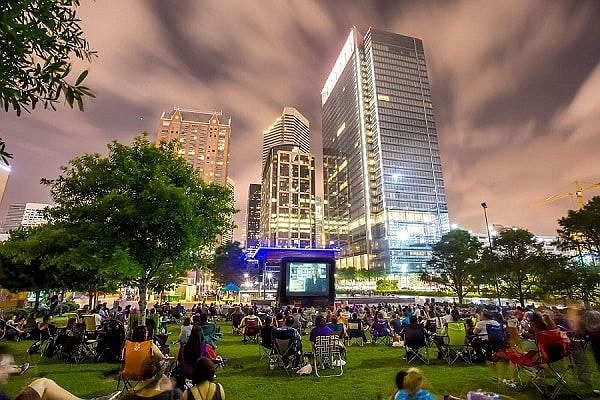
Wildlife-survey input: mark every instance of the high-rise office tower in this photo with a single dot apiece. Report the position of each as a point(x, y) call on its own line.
point(203, 140)
point(290, 128)
point(385, 204)
point(25, 215)
point(287, 217)
point(253, 216)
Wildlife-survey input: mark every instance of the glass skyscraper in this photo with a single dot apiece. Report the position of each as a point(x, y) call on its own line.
point(384, 198)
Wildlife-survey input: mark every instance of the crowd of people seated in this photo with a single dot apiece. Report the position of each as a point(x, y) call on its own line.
point(199, 334)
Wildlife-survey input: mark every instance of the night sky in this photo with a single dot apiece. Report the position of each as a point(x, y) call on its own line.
point(516, 90)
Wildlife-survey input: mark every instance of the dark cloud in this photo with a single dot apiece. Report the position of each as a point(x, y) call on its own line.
point(515, 88)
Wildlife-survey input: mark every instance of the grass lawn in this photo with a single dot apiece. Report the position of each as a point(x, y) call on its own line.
point(368, 374)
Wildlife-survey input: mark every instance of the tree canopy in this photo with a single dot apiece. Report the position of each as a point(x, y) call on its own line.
point(38, 39)
point(145, 209)
point(519, 261)
point(580, 230)
point(454, 262)
point(229, 263)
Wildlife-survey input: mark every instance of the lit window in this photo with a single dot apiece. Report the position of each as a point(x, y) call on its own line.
point(341, 129)
point(383, 97)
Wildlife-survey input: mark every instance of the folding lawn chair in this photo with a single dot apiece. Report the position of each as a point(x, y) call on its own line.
point(381, 331)
point(456, 346)
point(355, 333)
point(286, 350)
point(134, 355)
point(545, 363)
point(496, 342)
point(236, 320)
point(251, 330)
point(327, 354)
point(415, 339)
point(90, 325)
point(211, 333)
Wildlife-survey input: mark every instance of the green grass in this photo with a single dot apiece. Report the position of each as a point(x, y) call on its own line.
point(368, 374)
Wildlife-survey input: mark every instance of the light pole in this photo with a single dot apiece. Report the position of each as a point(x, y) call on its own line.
point(487, 227)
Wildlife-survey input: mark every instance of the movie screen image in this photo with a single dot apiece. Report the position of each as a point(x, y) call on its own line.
point(307, 279)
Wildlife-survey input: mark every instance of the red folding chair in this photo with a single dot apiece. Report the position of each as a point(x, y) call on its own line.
point(544, 364)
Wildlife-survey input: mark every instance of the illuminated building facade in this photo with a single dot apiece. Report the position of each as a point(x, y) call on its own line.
point(26, 215)
point(384, 197)
point(287, 217)
point(290, 128)
point(203, 140)
point(253, 216)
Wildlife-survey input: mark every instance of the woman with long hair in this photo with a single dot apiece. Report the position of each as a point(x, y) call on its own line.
point(202, 377)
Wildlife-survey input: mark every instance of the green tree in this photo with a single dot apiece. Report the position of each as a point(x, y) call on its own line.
point(49, 257)
point(580, 230)
point(573, 281)
point(229, 263)
point(519, 261)
point(38, 39)
point(454, 262)
point(145, 209)
point(346, 274)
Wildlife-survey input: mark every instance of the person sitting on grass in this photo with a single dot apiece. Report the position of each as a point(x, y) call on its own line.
point(410, 384)
point(156, 385)
point(39, 389)
point(202, 377)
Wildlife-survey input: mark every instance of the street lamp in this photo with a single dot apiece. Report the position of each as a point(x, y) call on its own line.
point(487, 227)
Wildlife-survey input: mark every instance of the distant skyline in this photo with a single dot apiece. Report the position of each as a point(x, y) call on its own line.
point(516, 89)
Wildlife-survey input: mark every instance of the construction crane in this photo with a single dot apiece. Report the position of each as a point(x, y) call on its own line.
point(577, 194)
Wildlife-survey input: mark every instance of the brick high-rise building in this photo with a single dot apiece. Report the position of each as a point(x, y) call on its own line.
point(203, 140)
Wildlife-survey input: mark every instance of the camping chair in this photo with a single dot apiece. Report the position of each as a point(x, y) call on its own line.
point(355, 333)
point(456, 346)
point(77, 347)
point(553, 347)
point(211, 333)
point(496, 341)
point(327, 354)
point(265, 345)
point(90, 325)
point(382, 331)
point(286, 350)
point(236, 320)
point(110, 340)
point(134, 355)
point(415, 339)
point(251, 329)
